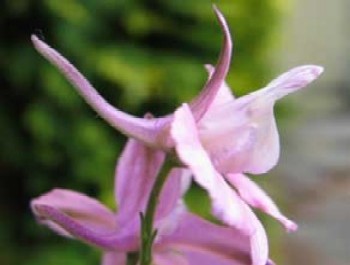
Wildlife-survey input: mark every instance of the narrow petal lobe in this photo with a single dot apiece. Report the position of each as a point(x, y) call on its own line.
point(252, 194)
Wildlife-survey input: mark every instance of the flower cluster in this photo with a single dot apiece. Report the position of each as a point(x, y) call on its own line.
point(215, 140)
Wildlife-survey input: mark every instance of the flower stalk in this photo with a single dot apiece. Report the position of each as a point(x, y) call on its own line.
point(148, 233)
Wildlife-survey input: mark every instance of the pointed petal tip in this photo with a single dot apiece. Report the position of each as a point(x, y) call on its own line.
point(294, 79)
point(290, 226)
point(219, 15)
point(307, 74)
point(36, 40)
point(224, 26)
point(215, 7)
point(311, 71)
point(318, 70)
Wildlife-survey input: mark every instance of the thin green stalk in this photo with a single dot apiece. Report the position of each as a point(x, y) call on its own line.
point(148, 234)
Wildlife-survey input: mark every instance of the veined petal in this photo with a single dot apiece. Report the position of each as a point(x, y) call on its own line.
point(293, 80)
point(252, 194)
point(75, 215)
point(136, 171)
point(175, 186)
point(202, 102)
point(224, 130)
point(146, 130)
point(227, 206)
point(202, 242)
point(114, 258)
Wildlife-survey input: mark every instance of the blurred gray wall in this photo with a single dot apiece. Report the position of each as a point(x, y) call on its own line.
point(315, 161)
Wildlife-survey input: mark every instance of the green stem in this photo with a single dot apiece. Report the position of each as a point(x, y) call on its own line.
point(147, 233)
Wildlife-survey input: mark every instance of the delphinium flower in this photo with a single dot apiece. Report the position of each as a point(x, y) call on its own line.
point(219, 138)
point(182, 238)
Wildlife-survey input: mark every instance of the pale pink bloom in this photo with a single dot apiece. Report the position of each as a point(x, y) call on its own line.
point(228, 136)
point(240, 135)
point(182, 238)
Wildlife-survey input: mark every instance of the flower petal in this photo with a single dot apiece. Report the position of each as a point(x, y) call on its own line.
point(193, 155)
point(227, 206)
point(146, 130)
point(202, 242)
point(75, 215)
point(136, 171)
point(252, 194)
point(293, 80)
point(258, 242)
point(169, 257)
point(176, 185)
point(201, 103)
point(224, 130)
point(113, 258)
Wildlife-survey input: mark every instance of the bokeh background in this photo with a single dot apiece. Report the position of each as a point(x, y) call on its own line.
point(148, 56)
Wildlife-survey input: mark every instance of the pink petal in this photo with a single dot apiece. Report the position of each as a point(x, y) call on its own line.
point(241, 136)
point(169, 257)
point(202, 102)
point(202, 242)
point(146, 130)
point(259, 244)
point(252, 194)
point(195, 233)
point(226, 204)
point(193, 155)
point(175, 186)
point(114, 258)
point(75, 215)
point(293, 80)
point(136, 172)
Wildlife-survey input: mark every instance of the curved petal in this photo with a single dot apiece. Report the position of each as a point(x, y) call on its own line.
point(146, 130)
point(114, 258)
point(202, 242)
point(293, 80)
point(136, 171)
point(252, 194)
point(258, 242)
point(175, 186)
point(201, 103)
point(227, 206)
point(192, 154)
point(75, 215)
point(224, 130)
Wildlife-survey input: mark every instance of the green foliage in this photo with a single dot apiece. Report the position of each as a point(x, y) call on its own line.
point(141, 55)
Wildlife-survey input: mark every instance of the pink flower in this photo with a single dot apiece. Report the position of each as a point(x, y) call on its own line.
point(216, 136)
point(182, 238)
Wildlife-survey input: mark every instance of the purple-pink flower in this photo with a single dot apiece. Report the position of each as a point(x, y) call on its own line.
point(182, 237)
point(218, 137)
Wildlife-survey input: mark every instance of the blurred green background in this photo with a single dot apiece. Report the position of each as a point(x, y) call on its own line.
point(141, 55)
